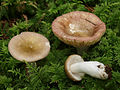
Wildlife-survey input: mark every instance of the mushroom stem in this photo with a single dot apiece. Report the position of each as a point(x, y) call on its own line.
point(81, 49)
point(92, 68)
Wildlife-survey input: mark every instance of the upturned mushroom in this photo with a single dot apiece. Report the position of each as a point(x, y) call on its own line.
point(29, 47)
point(79, 29)
point(76, 68)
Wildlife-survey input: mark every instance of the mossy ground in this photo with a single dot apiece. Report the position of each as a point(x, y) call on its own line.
point(37, 15)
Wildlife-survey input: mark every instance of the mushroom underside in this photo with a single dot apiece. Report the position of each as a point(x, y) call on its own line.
point(71, 60)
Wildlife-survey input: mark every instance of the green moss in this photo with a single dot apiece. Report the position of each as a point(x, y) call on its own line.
point(49, 73)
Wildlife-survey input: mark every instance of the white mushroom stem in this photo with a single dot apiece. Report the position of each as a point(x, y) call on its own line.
point(92, 68)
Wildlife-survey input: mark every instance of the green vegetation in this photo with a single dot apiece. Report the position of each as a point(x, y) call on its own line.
point(17, 16)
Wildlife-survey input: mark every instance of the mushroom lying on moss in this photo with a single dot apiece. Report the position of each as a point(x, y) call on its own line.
point(76, 68)
point(29, 46)
point(79, 29)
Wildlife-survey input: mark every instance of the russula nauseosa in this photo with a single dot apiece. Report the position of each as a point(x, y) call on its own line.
point(79, 29)
point(76, 68)
point(29, 46)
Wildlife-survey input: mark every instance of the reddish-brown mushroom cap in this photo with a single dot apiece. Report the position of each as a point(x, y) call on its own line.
point(78, 28)
point(71, 60)
point(29, 46)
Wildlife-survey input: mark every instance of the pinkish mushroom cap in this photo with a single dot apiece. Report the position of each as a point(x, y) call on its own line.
point(29, 46)
point(78, 28)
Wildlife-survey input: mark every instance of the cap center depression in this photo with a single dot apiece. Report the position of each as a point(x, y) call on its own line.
point(80, 27)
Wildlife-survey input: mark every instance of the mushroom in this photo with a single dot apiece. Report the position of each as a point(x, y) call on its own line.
point(29, 47)
point(79, 29)
point(76, 68)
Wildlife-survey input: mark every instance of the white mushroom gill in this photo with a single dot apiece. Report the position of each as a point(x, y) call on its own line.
point(92, 68)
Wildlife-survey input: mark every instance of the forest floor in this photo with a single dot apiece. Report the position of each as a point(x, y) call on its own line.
point(37, 16)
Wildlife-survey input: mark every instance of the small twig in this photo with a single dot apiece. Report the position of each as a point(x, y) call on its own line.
point(43, 15)
point(88, 7)
point(26, 70)
point(26, 19)
point(10, 24)
point(4, 36)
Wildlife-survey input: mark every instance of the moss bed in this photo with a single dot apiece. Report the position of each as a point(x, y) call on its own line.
point(17, 16)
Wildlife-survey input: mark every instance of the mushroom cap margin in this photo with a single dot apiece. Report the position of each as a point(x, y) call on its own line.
point(71, 60)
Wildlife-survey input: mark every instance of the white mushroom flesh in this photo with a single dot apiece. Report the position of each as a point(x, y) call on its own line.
point(71, 60)
point(92, 68)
